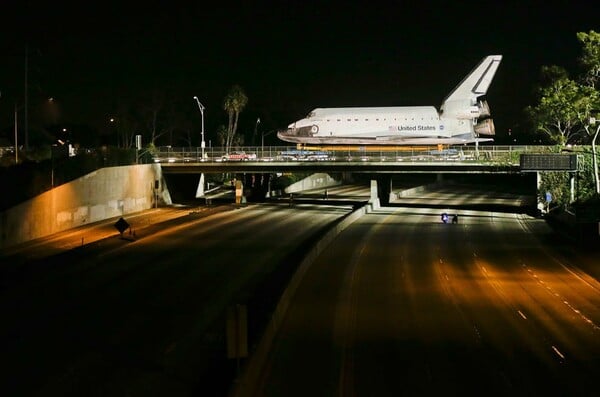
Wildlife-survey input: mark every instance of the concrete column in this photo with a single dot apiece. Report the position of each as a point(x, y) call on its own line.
point(239, 192)
point(374, 195)
point(572, 181)
point(200, 188)
point(347, 177)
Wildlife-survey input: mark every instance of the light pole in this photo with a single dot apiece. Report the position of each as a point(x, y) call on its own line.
point(593, 121)
point(262, 141)
point(201, 107)
point(16, 137)
point(255, 129)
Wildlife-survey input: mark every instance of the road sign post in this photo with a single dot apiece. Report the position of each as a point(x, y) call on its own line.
point(121, 225)
point(237, 333)
point(548, 201)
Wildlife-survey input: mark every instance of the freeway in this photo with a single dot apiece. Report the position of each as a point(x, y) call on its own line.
point(144, 314)
point(398, 302)
point(402, 304)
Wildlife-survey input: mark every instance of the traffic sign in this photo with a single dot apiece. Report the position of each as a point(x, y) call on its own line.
point(548, 162)
point(121, 225)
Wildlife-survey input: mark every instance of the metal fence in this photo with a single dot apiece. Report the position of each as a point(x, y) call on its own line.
point(497, 154)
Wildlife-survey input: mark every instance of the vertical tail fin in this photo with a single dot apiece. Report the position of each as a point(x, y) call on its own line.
point(474, 85)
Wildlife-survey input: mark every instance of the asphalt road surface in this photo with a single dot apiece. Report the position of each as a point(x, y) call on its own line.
point(401, 304)
point(90, 313)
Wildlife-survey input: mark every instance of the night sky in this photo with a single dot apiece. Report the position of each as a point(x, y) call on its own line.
point(289, 57)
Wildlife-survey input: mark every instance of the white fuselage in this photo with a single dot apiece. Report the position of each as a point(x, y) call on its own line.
point(462, 118)
point(418, 124)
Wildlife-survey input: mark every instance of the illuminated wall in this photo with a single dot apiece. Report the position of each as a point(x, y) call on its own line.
point(105, 193)
point(313, 181)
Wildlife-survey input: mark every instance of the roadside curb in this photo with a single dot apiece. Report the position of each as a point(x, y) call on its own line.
point(110, 239)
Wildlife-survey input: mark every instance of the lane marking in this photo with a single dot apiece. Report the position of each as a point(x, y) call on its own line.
point(564, 301)
point(522, 315)
point(558, 352)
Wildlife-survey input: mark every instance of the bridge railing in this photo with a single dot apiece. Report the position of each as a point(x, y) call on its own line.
point(508, 154)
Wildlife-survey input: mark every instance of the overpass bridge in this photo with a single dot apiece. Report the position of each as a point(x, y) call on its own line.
point(379, 164)
point(369, 167)
point(377, 159)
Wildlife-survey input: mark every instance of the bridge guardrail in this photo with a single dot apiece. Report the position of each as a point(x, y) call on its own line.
point(464, 154)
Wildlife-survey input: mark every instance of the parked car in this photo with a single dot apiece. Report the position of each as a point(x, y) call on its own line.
point(238, 156)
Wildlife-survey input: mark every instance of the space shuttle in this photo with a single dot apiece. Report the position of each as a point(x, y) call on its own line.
point(463, 117)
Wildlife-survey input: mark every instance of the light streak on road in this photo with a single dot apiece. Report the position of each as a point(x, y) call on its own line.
point(558, 352)
point(564, 301)
point(444, 312)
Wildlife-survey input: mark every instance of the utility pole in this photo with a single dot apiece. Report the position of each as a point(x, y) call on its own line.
point(255, 129)
point(16, 138)
point(26, 95)
point(201, 107)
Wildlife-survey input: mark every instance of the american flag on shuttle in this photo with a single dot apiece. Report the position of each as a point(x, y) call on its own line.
point(392, 128)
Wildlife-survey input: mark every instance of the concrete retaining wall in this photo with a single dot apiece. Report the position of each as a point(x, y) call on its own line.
point(413, 191)
point(102, 194)
point(313, 181)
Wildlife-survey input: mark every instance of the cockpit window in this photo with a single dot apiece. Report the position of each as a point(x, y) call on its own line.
point(311, 114)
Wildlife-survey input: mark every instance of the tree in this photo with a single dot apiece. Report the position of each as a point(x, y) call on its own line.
point(590, 59)
point(589, 104)
point(567, 106)
point(235, 101)
point(125, 125)
point(222, 135)
point(555, 114)
point(152, 112)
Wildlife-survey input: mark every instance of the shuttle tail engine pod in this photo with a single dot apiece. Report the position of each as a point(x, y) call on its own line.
point(459, 111)
point(485, 127)
point(484, 108)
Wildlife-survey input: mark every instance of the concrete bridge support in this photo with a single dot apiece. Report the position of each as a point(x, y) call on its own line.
point(347, 177)
point(380, 191)
point(374, 199)
point(200, 188)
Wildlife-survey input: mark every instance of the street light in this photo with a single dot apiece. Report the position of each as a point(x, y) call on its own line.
point(16, 138)
point(255, 129)
point(262, 141)
point(201, 107)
